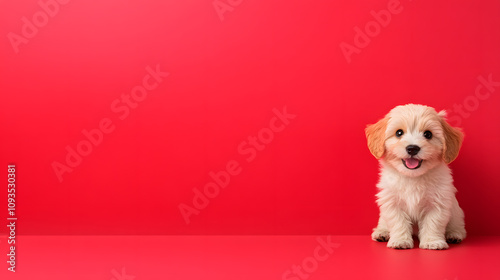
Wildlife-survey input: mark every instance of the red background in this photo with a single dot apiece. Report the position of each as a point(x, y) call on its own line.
point(226, 76)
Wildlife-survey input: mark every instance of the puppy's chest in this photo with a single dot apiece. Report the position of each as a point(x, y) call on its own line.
point(413, 197)
point(413, 200)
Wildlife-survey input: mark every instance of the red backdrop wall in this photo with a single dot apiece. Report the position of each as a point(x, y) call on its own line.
point(71, 67)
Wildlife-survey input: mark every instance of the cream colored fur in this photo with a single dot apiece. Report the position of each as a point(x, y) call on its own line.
point(425, 196)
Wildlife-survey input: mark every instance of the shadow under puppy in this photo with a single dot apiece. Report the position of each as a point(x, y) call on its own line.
point(414, 145)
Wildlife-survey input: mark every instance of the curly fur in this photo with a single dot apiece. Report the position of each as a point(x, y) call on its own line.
point(423, 196)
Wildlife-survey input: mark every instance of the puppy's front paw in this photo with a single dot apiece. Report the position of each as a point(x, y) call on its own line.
point(434, 245)
point(400, 243)
point(380, 235)
point(455, 236)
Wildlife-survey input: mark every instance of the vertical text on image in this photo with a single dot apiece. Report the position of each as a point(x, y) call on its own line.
point(11, 219)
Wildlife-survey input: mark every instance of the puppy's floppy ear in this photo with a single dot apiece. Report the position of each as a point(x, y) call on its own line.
point(375, 135)
point(453, 138)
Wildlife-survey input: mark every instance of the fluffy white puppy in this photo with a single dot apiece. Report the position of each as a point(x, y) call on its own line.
point(414, 144)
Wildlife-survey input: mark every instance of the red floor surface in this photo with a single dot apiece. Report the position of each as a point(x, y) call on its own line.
point(245, 257)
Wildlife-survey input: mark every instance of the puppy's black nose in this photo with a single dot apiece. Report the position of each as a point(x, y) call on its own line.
point(412, 149)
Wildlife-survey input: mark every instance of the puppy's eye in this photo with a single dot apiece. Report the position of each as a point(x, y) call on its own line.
point(428, 134)
point(399, 133)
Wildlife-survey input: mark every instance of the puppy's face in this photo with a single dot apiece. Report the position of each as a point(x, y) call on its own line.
point(414, 139)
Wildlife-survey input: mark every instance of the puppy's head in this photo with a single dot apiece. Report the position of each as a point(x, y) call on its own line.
point(414, 139)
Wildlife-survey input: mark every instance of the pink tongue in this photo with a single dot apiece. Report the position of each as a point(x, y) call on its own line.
point(411, 162)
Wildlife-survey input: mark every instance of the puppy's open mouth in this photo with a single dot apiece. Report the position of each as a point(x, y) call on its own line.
point(412, 163)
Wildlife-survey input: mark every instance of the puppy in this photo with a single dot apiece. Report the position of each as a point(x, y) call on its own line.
point(414, 145)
